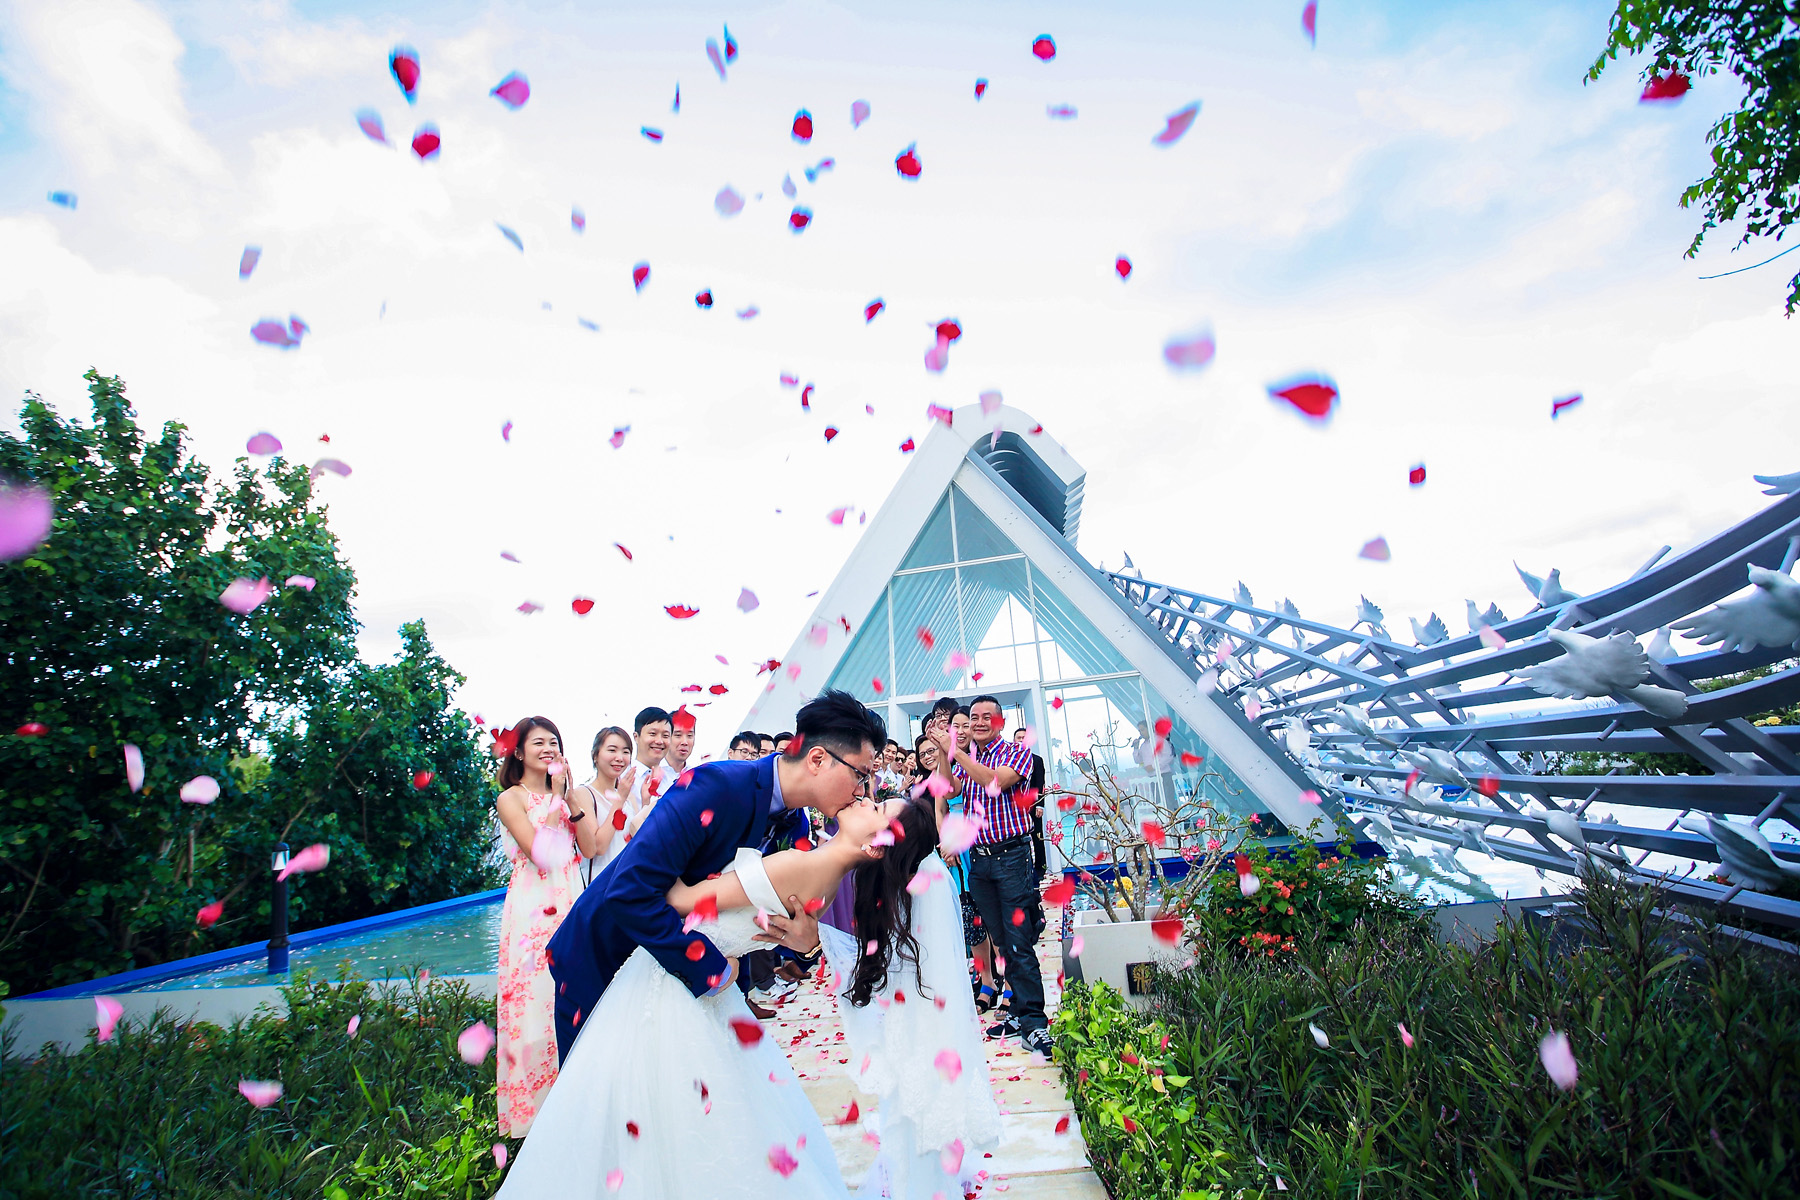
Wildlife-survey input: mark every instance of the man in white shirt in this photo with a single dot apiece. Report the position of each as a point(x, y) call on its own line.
point(649, 773)
point(681, 740)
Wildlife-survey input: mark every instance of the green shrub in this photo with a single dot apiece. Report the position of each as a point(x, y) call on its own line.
point(156, 1111)
point(1148, 1132)
point(1304, 894)
point(1688, 1046)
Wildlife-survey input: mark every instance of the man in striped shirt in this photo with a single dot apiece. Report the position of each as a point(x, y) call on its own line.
point(1003, 878)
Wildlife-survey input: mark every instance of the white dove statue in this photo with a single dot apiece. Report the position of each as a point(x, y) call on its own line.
point(1438, 765)
point(1549, 590)
point(1611, 666)
point(1566, 827)
point(1479, 620)
point(1779, 485)
point(1745, 854)
point(1430, 633)
point(1241, 597)
point(1661, 649)
point(1368, 614)
point(1769, 616)
point(1355, 719)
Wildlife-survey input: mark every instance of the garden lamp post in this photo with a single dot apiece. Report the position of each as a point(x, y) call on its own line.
point(278, 913)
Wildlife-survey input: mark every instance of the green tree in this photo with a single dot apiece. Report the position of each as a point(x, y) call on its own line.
point(1756, 149)
point(112, 633)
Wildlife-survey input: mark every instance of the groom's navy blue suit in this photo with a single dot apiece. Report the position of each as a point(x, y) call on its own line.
point(628, 905)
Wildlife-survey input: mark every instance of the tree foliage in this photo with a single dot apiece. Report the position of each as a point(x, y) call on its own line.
point(112, 633)
point(1756, 149)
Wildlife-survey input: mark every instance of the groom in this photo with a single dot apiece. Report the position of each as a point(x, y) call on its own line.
point(695, 833)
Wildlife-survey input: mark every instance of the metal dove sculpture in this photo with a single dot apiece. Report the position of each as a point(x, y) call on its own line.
point(1769, 616)
point(1241, 597)
point(1779, 485)
point(1430, 633)
point(1745, 854)
point(1440, 766)
point(1368, 614)
point(1611, 666)
point(1661, 649)
point(1479, 620)
point(1549, 590)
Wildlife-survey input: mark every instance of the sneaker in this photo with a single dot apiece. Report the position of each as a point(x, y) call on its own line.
point(1039, 1041)
point(1008, 1027)
point(781, 992)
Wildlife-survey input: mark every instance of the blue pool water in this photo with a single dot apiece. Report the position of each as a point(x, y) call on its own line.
point(465, 941)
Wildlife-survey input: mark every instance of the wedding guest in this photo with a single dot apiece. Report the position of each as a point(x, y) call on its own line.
point(644, 777)
point(1036, 783)
point(545, 827)
point(948, 715)
point(745, 747)
point(682, 724)
point(611, 755)
point(781, 742)
point(765, 745)
point(1001, 877)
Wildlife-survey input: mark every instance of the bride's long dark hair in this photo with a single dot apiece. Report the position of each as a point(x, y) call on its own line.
point(883, 910)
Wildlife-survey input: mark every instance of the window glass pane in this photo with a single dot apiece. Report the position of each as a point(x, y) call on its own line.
point(1071, 646)
point(997, 615)
point(925, 601)
point(976, 536)
point(867, 659)
point(1098, 720)
point(933, 545)
point(1209, 780)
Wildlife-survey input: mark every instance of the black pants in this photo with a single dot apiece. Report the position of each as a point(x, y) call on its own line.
point(1003, 883)
point(755, 969)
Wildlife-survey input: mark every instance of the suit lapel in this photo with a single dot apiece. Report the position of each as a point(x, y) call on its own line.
point(762, 795)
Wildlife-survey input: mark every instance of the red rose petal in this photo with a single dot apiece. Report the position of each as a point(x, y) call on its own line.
point(1044, 46)
point(582, 606)
point(680, 612)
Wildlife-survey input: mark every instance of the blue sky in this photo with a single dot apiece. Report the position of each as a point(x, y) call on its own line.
point(1431, 207)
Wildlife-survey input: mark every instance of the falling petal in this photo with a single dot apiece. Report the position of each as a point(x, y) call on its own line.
point(474, 1043)
point(676, 107)
point(680, 612)
point(336, 466)
point(242, 596)
point(907, 447)
point(800, 218)
point(1318, 1036)
point(106, 1017)
point(958, 832)
point(260, 1092)
point(1491, 639)
point(303, 582)
point(1122, 266)
point(1672, 86)
point(369, 121)
point(422, 780)
point(426, 143)
point(1176, 124)
point(618, 436)
point(873, 309)
point(66, 199)
point(513, 91)
point(1309, 21)
point(907, 162)
point(781, 1162)
point(949, 1064)
point(403, 61)
point(713, 56)
point(1557, 406)
point(747, 600)
point(248, 260)
point(935, 413)
point(836, 516)
point(263, 444)
point(500, 1156)
point(1166, 930)
point(728, 202)
point(803, 127)
point(615, 1178)
point(651, 134)
point(731, 46)
point(703, 298)
point(1191, 351)
point(581, 606)
point(748, 1032)
point(26, 513)
point(1044, 46)
point(1558, 1059)
point(315, 857)
point(511, 236)
point(950, 1158)
point(134, 767)
point(744, 314)
point(1416, 476)
point(859, 112)
point(1375, 550)
point(272, 332)
point(1314, 397)
point(831, 431)
point(1061, 112)
point(1406, 1039)
point(577, 219)
point(980, 88)
point(622, 550)
point(355, 1024)
point(640, 274)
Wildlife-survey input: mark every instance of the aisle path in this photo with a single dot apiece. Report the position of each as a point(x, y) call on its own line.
point(1032, 1162)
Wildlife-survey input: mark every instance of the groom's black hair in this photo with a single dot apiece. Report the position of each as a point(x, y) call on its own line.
point(839, 722)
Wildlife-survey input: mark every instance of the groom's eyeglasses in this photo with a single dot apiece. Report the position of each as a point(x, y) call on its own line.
point(863, 777)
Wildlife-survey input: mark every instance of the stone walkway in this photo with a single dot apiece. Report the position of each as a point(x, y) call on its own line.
point(1032, 1162)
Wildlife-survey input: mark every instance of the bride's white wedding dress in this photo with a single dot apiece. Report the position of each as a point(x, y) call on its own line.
point(659, 1088)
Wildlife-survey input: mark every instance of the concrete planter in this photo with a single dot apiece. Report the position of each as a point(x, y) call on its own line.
point(1111, 949)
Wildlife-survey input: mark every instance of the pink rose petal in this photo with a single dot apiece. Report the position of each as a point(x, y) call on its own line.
point(513, 91)
point(336, 466)
point(106, 1017)
point(1191, 351)
point(1558, 1059)
point(242, 596)
point(951, 1157)
point(552, 848)
point(500, 1156)
point(263, 443)
point(1375, 550)
point(315, 857)
point(474, 1043)
point(949, 1064)
point(25, 516)
point(260, 1092)
point(201, 789)
point(781, 1162)
point(134, 767)
point(355, 1024)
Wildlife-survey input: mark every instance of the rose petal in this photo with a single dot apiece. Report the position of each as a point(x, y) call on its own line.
point(474, 1043)
point(106, 1016)
point(201, 789)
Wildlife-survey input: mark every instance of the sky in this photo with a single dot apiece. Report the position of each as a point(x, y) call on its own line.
point(1430, 207)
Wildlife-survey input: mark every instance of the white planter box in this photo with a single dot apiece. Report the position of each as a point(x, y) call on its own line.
point(1110, 949)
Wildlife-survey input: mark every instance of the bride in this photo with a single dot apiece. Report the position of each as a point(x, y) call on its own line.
point(667, 1095)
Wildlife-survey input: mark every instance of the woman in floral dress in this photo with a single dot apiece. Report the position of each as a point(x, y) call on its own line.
point(545, 826)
